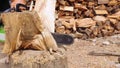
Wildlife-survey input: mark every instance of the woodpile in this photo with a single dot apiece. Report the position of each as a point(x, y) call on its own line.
point(88, 18)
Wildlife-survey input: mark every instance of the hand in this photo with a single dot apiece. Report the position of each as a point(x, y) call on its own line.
point(14, 2)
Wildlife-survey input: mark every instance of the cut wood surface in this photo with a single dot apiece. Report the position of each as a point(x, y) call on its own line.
point(24, 30)
point(67, 8)
point(101, 12)
point(103, 1)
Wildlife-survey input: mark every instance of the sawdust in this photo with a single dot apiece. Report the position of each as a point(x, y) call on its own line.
point(107, 53)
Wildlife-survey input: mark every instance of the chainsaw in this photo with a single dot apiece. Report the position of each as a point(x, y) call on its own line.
point(61, 39)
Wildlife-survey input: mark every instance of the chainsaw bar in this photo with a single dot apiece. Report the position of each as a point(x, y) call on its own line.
point(63, 38)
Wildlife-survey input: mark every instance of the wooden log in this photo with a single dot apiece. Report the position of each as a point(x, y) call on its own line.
point(91, 4)
point(114, 21)
point(117, 26)
point(77, 35)
point(113, 2)
point(60, 29)
point(72, 0)
point(38, 59)
point(67, 24)
point(101, 12)
point(103, 1)
point(62, 2)
point(88, 32)
point(73, 23)
point(68, 31)
point(117, 32)
point(80, 6)
point(67, 17)
point(68, 13)
point(89, 13)
point(67, 8)
point(24, 30)
point(95, 31)
point(83, 9)
point(84, 36)
point(101, 7)
point(114, 17)
point(86, 22)
point(46, 12)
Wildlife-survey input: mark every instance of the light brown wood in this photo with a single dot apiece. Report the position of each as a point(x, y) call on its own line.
point(86, 22)
point(72, 0)
point(24, 30)
point(103, 1)
point(60, 29)
point(80, 6)
point(101, 12)
point(113, 2)
point(46, 12)
point(67, 8)
point(62, 2)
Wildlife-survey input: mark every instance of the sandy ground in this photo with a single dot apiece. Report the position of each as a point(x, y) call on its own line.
point(91, 53)
point(94, 53)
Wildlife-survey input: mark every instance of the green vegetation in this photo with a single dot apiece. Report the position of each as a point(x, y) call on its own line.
point(2, 41)
point(2, 29)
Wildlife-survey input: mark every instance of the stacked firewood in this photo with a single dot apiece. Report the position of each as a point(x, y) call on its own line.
point(88, 18)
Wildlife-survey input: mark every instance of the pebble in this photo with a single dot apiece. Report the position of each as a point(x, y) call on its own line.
point(106, 43)
point(117, 65)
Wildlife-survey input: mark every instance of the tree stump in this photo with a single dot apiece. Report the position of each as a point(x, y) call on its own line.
point(38, 59)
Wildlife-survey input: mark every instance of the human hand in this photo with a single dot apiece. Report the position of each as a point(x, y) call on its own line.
point(15, 2)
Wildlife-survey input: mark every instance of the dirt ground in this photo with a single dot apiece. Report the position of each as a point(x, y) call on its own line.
point(92, 53)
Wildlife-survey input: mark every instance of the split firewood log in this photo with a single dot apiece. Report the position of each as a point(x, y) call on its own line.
point(46, 12)
point(24, 30)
